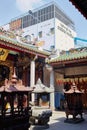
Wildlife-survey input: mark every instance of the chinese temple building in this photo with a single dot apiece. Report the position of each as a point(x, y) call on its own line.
point(70, 66)
point(17, 52)
point(28, 60)
point(30, 63)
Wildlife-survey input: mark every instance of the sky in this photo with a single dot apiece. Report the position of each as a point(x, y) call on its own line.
point(13, 8)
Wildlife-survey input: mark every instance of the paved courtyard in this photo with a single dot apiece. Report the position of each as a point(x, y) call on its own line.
point(57, 123)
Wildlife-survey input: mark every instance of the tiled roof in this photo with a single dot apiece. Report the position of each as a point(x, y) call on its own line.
point(9, 42)
point(68, 56)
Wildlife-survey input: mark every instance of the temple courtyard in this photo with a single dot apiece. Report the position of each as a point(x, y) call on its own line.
point(57, 123)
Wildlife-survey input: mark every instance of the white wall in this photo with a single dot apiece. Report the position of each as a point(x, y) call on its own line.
point(60, 40)
point(6, 26)
point(63, 36)
point(47, 37)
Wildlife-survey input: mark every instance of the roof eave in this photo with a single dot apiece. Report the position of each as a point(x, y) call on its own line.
point(79, 8)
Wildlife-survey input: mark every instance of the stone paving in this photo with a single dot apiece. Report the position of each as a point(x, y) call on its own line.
point(57, 123)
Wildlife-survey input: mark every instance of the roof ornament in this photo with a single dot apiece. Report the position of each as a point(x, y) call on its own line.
point(39, 87)
point(39, 81)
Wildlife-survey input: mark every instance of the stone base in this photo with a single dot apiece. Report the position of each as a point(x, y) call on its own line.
point(39, 127)
point(74, 121)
